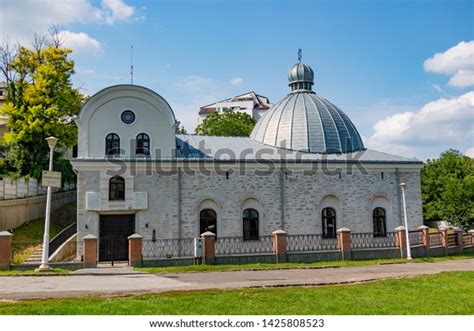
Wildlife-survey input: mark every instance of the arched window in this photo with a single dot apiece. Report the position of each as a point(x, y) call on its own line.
point(250, 219)
point(208, 221)
point(328, 216)
point(117, 188)
point(143, 144)
point(112, 144)
point(379, 219)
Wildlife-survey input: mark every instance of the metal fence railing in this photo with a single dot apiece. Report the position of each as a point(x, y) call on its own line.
point(467, 240)
point(232, 246)
point(167, 248)
point(367, 240)
point(435, 239)
point(452, 239)
point(310, 243)
point(416, 238)
point(239, 246)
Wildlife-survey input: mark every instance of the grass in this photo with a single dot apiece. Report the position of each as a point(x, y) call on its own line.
point(31, 272)
point(317, 264)
point(29, 236)
point(449, 293)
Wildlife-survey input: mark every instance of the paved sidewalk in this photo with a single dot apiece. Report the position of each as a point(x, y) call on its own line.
point(120, 281)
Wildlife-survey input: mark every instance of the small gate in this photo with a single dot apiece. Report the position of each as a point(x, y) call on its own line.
point(113, 241)
point(113, 248)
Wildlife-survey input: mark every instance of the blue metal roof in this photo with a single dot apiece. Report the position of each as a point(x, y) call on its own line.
point(194, 147)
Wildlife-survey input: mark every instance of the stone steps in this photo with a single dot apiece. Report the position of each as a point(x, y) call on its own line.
point(35, 258)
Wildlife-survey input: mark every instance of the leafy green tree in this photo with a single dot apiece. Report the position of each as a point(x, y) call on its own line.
point(227, 123)
point(447, 189)
point(457, 201)
point(40, 103)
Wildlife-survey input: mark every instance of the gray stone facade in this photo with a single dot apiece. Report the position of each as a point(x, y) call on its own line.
point(353, 196)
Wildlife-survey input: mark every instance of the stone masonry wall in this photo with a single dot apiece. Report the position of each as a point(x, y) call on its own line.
point(303, 195)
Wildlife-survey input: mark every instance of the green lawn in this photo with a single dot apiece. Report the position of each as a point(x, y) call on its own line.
point(450, 293)
point(318, 264)
point(29, 236)
point(32, 272)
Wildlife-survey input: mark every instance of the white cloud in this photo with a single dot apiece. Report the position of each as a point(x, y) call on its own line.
point(80, 42)
point(194, 83)
point(236, 81)
point(462, 78)
point(457, 62)
point(85, 71)
point(470, 152)
point(440, 90)
point(444, 122)
point(116, 10)
point(22, 19)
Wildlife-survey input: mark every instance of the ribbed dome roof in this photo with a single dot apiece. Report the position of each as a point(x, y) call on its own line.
point(300, 72)
point(305, 121)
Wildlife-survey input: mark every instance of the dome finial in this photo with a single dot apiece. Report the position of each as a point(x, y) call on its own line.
point(300, 75)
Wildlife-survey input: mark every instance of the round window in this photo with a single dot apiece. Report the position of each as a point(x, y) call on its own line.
point(128, 117)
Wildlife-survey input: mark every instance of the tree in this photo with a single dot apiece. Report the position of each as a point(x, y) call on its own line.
point(457, 201)
point(447, 189)
point(227, 123)
point(180, 129)
point(40, 102)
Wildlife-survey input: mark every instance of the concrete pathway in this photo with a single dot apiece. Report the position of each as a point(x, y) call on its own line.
point(121, 281)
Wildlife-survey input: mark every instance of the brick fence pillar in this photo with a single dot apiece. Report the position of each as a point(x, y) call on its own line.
point(444, 237)
point(280, 245)
point(458, 233)
point(90, 251)
point(425, 235)
point(209, 245)
point(135, 250)
point(5, 250)
point(401, 240)
point(344, 243)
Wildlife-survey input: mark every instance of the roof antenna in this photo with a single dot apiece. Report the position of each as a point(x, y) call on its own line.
point(300, 54)
point(131, 64)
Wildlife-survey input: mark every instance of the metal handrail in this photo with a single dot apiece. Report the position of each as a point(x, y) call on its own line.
point(61, 238)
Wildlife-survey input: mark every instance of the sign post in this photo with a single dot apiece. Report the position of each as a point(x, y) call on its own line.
point(51, 179)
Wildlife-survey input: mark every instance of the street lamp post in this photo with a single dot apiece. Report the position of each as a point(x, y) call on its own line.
point(45, 256)
point(403, 186)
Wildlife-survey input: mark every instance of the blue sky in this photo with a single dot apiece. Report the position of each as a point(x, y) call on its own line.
point(368, 57)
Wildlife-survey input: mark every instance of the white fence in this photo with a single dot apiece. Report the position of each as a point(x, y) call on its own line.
point(21, 188)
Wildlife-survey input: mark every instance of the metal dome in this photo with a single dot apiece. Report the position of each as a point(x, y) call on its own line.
point(307, 122)
point(300, 72)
